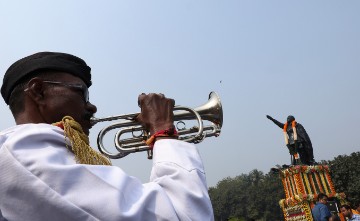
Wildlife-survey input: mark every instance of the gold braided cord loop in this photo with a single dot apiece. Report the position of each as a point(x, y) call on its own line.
point(84, 154)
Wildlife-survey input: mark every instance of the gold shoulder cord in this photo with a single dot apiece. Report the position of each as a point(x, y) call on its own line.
point(84, 154)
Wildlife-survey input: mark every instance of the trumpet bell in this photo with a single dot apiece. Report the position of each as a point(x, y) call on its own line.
point(211, 110)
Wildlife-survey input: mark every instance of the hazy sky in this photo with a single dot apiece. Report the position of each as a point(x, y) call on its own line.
point(262, 57)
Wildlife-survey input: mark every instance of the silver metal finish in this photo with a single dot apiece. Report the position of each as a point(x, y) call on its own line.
point(210, 111)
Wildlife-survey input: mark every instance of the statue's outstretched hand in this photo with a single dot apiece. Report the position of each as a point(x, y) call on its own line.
point(268, 117)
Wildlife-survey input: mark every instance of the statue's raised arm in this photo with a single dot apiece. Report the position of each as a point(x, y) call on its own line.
point(281, 125)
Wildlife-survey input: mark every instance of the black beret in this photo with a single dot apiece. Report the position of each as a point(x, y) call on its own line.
point(44, 61)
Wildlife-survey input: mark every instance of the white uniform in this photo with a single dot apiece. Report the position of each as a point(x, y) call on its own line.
point(39, 180)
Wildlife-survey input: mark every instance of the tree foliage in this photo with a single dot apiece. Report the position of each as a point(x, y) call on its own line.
point(255, 196)
point(345, 171)
point(247, 197)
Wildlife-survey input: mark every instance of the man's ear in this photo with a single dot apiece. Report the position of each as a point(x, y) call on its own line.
point(35, 90)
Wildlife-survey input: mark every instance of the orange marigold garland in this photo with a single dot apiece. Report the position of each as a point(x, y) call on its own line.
point(293, 125)
point(288, 187)
point(331, 184)
point(292, 192)
point(300, 183)
point(294, 185)
point(285, 187)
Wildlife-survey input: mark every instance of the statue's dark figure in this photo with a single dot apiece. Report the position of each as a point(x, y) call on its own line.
point(297, 140)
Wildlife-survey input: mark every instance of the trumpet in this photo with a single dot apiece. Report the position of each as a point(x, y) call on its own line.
point(210, 111)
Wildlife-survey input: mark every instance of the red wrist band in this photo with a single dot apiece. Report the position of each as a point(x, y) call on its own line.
point(171, 132)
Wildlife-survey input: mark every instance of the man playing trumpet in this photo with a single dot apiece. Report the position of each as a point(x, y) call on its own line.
point(48, 171)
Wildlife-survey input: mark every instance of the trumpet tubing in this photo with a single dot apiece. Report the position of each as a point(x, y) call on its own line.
point(210, 111)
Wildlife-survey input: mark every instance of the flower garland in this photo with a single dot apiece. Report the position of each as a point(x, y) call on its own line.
point(301, 190)
point(307, 184)
point(324, 183)
point(331, 184)
point(285, 187)
point(299, 183)
point(293, 125)
point(305, 169)
point(289, 186)
point(307, 211)
point(298, 212)
point(306, 198)
point(312, 182)
point(293, 185)
point(295, 213)
point(306, 179)
point(318, 182)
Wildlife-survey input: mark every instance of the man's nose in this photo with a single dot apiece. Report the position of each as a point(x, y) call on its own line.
point(92, 108)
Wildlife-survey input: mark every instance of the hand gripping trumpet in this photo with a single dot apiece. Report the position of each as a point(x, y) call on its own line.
point(210, 111)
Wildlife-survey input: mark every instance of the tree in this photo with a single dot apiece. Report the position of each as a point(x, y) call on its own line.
point(345, 172)
point(252, 196)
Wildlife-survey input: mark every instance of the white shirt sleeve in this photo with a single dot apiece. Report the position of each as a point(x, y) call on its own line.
point(39, 180)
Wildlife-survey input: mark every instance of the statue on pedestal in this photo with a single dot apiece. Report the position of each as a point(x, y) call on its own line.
point(297, 141)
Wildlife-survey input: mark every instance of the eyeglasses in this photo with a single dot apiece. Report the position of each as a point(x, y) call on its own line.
point(81, 87)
